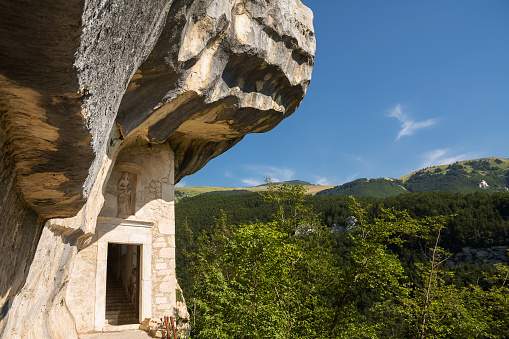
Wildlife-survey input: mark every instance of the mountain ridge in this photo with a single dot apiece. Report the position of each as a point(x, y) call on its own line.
point(467, 176)
point(461, 176)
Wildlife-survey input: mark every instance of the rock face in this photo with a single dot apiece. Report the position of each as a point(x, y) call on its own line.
point(481, 256)
point(83, 80)
point(241, 67)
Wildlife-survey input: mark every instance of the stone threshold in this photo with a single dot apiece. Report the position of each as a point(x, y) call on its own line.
point(118, 328)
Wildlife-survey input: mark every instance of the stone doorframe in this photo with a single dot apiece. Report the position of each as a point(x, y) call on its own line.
point(130, 232)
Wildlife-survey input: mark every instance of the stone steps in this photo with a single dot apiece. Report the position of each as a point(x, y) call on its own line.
point(119, 309)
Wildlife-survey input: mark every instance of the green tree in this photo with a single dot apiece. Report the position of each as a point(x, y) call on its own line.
point(373, 268)
point(438, 306)
point(263, 280)
point(293, 278)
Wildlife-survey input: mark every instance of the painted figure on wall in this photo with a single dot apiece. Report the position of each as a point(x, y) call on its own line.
point(125, 195)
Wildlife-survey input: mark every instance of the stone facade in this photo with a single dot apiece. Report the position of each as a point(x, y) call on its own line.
point(151, 226)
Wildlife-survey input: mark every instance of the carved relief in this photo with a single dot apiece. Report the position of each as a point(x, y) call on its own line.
point(155, 189)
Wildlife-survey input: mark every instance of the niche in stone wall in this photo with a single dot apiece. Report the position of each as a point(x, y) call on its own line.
point(127, 174)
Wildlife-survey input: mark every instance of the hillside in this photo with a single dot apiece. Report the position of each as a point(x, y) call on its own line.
point(464, 176)
point(187, 192)
point(292, 182)
point(377, 188)
point(469, 176)
point(484, 165)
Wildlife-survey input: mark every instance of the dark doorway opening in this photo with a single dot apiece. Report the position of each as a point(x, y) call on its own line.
point(122, 284)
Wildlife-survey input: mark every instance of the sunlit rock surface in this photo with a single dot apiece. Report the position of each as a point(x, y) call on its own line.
point(82, 80)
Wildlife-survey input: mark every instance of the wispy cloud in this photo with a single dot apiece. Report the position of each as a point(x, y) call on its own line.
point(355, 157)
point(276, 174)
point(360, 159)
point(444, 156)
point(322, 180)
point(252, 182)
point(181, 184)
point(254, 175)
point(409, 126)
point(351, 177)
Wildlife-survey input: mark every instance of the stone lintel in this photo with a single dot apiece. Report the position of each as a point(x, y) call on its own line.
point(123, 222)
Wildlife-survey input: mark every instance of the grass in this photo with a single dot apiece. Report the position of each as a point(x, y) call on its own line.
point(187, 192)
point(502, 166)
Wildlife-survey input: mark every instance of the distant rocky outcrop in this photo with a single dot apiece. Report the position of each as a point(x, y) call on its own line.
point(82, 80)
point(481, 256)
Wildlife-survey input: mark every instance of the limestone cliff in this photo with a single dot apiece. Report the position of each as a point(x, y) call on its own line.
point(80, 80)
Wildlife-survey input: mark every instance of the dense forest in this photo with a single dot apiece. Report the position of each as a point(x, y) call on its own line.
point(209, 227)
point(376, 188)
point(481, 219)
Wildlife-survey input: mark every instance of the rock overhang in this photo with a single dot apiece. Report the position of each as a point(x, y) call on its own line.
point(241, 67)
point(196, 74)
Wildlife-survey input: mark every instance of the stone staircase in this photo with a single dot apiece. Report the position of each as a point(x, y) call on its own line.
point(119, 309)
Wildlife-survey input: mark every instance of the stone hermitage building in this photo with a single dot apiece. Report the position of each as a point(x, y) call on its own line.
point(104, 106)
point(132, 249)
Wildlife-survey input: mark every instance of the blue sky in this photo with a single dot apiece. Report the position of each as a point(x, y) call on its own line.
point(397, 86)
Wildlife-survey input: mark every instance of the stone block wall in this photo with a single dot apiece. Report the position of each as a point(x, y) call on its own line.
point(152, 226)
point(155, 202)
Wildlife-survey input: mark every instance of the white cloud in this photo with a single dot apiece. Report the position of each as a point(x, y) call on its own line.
point(322, 180)
point(409, 126)
point(252, 182)
point(181, 184)
point(229, 174)
point(276, 174)
point(280, 174)
point(443, 156)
